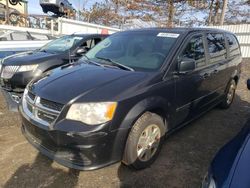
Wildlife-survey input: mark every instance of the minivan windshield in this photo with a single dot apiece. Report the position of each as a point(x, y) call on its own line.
point(62, 44)
point(140, 51)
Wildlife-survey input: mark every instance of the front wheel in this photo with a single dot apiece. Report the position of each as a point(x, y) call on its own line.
point(144, 141)
point(230, 94)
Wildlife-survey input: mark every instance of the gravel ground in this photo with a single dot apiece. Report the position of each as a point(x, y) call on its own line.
point(182, 163)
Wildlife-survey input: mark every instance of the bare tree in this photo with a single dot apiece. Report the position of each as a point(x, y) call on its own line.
point(170, 8)
point(210, 12)
point(224, 7)
point(216, 14)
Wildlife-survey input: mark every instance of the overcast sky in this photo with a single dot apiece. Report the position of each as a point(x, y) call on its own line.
point(35, 8)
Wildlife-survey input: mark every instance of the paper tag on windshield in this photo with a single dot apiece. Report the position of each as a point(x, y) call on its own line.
point(78, 38)
point(170, 35)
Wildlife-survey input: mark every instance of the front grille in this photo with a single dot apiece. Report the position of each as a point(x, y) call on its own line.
point(51, 105)
point(9, 71)
point(48, 117)
point(41, 110)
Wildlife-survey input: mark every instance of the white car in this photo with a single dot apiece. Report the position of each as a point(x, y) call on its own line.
point(58, 7)
point(12, 42)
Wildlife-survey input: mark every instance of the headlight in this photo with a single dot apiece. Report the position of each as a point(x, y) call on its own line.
point(92, 113)
point(0, 64)
point(25, 68)
point(212, 183)
point(208, 182)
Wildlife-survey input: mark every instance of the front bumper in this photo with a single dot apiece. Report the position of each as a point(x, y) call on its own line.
point(17, 82)
point(12, 99)
point(13, 88)
point(78, 150)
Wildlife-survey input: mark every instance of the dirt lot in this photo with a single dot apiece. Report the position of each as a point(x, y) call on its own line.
point(182, 163)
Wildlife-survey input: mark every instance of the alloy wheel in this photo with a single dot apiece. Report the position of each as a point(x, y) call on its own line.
point(148, 142)
point(231, 92)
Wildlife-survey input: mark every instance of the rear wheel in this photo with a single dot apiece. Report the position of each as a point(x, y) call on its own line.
point(229, 97)
point(144, 141)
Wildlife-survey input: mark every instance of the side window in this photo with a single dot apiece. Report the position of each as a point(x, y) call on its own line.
point(6, 38)
point(36, 36)
point(195, 50)
point(216, 47)
point(87, 44)
point(95, 42)
point(234, 48)
point(20, 36)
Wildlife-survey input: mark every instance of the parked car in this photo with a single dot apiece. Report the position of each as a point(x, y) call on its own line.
point(58, 7)
point(13, 14)
point(12, 42)
point(231, 166)
point(18, 70)
point(120, 100)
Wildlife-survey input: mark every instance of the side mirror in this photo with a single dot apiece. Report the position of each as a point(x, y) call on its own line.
point(186, 65)
point(248, 84)
point(81, 51)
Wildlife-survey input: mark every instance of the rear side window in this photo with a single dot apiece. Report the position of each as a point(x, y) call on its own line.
point(87, 43)
point(234, 48)
point(216, 47)
point(6, 38)
point(195, 50)
point(36, 36)
point(20, 36)
point(96, 41)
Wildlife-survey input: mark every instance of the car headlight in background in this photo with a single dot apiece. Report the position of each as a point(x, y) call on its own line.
point(209, 182)
point(25, 68)
point(92, 113)
point(1, 62)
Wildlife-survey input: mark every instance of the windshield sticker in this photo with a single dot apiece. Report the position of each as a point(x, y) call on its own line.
point(78, 38)
point(170, 35)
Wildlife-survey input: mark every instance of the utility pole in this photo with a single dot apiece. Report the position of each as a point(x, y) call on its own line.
point(223, 12)
point(7, 12)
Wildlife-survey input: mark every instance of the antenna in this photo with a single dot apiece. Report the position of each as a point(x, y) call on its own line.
point(69, 56)
point(68, 43)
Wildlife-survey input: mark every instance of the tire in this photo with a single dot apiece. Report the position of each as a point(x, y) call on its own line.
point(61, 9)
point(229, 95)
point(14, 2)
point(14, 18)
point(141, 150)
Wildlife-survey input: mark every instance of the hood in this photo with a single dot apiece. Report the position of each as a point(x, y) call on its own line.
point(241, 172)
point(27, 58)
point(69, 82)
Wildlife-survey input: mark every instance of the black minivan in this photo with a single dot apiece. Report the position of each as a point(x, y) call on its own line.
point(131, 90)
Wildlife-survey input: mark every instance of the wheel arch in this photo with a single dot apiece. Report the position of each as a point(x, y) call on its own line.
point(235, 76)
point(155, 104)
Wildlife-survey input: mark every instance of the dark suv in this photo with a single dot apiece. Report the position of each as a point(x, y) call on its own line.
point(128, 92)
point(18, 70)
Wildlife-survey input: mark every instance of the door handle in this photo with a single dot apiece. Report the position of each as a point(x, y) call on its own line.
point(206, 75)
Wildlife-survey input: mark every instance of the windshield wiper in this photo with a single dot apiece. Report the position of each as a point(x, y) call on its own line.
point(42, 50)
point(113, 63)
point(92, 62)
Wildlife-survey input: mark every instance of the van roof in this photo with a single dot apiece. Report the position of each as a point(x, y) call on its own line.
point(181, 30)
